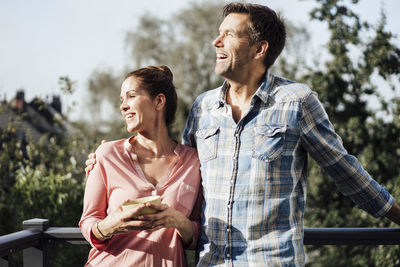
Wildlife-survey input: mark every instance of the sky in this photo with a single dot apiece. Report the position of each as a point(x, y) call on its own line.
point(42, 40)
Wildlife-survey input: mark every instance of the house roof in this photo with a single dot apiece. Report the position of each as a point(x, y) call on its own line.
point(34, 118)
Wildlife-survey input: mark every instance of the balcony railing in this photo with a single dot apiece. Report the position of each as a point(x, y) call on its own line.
point(36, 237)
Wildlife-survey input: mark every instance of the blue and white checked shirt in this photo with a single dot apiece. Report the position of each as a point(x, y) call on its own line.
point(255, 173)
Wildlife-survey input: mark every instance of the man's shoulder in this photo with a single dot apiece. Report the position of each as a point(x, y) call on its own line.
point(285, 89)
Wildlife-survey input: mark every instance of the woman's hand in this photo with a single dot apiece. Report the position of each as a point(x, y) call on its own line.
point(168, 217)
point(122, 222)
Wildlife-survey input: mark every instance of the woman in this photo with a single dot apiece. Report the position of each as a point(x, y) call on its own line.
point(148, 163)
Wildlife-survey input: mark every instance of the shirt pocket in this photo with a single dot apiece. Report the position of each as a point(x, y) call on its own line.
point(269, 141)
point(207, 141)
point(186, 197)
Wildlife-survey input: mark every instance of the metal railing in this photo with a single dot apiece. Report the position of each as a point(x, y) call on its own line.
point(36, 237)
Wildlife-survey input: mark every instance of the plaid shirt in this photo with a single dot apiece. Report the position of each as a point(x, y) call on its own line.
point(254, 173)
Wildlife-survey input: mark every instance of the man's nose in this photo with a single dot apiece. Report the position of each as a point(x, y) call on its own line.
point(218, 41)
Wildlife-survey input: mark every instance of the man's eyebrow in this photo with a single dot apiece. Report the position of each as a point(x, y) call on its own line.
point(232, 30)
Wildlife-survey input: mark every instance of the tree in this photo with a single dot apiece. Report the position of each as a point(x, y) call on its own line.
point(360, 54)
point(184, 43)
point(43, 179)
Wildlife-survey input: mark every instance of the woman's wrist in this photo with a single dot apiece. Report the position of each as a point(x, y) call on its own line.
point(99, 234)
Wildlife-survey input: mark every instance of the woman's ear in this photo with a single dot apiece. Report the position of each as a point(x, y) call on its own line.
point(160, 101)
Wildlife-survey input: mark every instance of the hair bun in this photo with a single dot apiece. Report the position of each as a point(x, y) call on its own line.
point(167, 72)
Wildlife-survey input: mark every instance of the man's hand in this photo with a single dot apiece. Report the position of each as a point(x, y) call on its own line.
point(91, 161)
point(394, 213)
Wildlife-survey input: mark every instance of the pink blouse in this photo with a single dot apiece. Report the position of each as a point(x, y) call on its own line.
point(117, 177)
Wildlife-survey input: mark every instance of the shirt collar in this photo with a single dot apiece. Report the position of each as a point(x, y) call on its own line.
point(266, 87)
point(221, 101)
point(263, 92)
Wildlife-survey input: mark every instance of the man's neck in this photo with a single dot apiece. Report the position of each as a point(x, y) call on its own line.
point(243, 85)
point(240, 93)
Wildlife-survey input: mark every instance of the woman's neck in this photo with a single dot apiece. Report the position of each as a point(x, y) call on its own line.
point(154, 145)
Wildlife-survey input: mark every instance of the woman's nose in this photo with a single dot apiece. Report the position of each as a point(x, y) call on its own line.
point(123, 106)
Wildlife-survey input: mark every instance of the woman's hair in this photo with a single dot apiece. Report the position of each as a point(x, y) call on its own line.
point(158, 80)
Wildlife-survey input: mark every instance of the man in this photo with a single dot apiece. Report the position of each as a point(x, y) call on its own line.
point(253, 135)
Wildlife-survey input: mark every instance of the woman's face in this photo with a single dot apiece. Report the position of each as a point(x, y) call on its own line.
point(137, 107)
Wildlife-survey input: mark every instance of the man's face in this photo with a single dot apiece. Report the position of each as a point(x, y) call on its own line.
point(232, 45)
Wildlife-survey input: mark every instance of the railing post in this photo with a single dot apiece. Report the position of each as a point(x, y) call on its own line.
point(6, 261)
point(36, 256)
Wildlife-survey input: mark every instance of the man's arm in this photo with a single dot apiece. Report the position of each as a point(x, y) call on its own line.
point(188, 132)
point(324, 145)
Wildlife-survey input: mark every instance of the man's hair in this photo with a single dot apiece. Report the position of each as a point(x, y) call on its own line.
point(156, 80)
point(264, 24)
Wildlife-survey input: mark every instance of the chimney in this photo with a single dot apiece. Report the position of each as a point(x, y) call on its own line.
point(19, 101)
point(56, 103)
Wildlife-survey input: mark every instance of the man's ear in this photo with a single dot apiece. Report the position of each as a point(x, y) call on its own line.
point(262, 48)
point(160, 101)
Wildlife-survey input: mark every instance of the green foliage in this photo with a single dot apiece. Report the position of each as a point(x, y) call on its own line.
point(291, 64)
point(66, 85)
point(10, 160)
point(360, 55)
point(42, 180)
point(46, 179)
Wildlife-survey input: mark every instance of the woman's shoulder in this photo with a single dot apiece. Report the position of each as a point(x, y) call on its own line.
point(189, 152)
point(110, 147)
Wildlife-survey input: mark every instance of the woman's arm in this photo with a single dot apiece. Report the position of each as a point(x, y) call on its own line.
point(168, 217)
point(96, 224)
point(94, 204)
